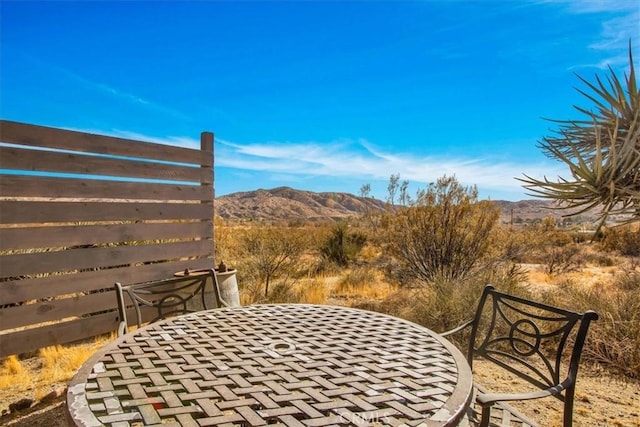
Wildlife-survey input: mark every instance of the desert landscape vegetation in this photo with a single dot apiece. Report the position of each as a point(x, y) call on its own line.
point(360, 260)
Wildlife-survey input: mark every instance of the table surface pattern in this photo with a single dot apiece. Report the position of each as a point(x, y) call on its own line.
point(294, 365)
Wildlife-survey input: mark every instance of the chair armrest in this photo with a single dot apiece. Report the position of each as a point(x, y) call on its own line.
point(457, 328)
point(490, 398)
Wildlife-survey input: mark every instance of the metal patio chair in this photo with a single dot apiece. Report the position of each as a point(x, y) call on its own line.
point(157, 300)
point(539, 343)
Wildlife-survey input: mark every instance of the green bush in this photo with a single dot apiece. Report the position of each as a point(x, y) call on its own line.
point(342, 246)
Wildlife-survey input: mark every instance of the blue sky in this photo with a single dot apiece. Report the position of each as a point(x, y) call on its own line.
point(320, 95)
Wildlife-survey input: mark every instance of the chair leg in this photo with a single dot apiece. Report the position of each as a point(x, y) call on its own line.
point(568, 406)
point(486, 416)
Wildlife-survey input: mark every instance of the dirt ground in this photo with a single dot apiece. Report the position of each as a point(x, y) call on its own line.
point(600, 401)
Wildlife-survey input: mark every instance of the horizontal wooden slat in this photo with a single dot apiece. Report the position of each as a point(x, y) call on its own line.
point(27, 212)
point(33, 161)
point(35, 186)
point(41, 136)
point(15, 291)
point(76, 235)
point(61, 308)
point(87, 258)
point(32, 339)
point(75, 209)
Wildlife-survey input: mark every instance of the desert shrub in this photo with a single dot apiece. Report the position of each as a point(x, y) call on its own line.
point(368, 254)
point(580, 236)
point(507, 250)
point(599, 259)
point(273, 254)
point(342, 245)
point(561, 259)
point(322, 266)
point(624, 240)
point(507, 274)
point(614, 339)
point(554, 237)
point(399, 303)
point(511, 245)
point(252, 292)
point(283, 293)
point(443, 305)
point(629, 281)
point(444, 235)
point(554, 249)
point(226, 242)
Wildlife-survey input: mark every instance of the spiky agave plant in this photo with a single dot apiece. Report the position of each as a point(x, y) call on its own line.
point(602, 152)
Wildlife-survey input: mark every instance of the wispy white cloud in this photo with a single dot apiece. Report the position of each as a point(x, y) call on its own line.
point(620, 23)
point(360, 160)
point(594, 6)
point(176, 141)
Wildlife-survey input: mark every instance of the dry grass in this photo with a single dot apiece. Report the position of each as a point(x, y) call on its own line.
point(315, 291)
point(60, 363)
point(363, 283)
point(36, 377)
point(12, 371)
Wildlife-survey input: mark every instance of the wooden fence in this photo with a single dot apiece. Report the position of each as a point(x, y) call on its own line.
point(79, 212)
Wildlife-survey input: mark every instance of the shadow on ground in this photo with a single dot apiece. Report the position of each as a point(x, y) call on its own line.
point(50, 414)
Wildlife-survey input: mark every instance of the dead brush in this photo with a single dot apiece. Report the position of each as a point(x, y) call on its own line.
point(615, 341)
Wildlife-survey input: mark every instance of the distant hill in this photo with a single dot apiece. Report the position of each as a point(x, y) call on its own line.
point(285, 203)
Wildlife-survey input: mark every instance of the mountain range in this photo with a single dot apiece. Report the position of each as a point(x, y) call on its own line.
point(285, 203)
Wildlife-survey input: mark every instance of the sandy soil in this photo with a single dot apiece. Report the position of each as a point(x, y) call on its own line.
point(600, 399)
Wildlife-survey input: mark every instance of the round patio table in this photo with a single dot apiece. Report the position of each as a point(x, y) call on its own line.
point(289, 365)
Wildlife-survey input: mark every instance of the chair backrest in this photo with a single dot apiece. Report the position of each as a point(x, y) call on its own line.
point(537, 342)
point(157, 300)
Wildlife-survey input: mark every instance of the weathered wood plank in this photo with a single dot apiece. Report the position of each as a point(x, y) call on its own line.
point(28, 340)
point(35, 186)
point(27, 212)
point(206, 176)
point(78, 235)
point(60, 308)
point(207, 158)
point(16, 291)
point(73, 190)
point(62, 139)
point(94, 258)
point(34, 161)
